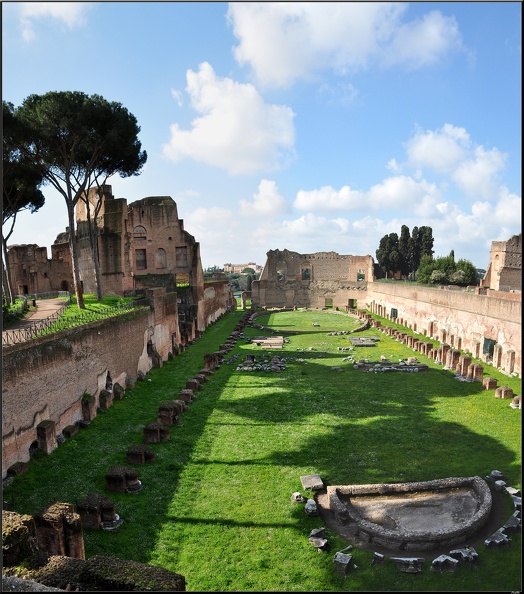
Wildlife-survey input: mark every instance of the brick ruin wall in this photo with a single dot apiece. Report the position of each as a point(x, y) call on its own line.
point(45, 379)
point(462, 319)
point(331, 280)
point(218, 300)
point(341, 294)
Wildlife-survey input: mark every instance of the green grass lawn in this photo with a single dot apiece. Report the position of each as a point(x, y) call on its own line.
point(216, 505)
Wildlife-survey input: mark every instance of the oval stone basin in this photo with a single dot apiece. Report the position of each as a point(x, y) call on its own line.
point(415, 515)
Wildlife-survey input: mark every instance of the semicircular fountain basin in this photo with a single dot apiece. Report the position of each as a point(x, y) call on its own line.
point(413, 516)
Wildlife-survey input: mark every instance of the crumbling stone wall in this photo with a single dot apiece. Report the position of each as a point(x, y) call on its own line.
point(465, 320)
point(32, 272)
point(218, 300)
point(323, 279)
point(50, 548)
point(46, 378)
point(504, 271)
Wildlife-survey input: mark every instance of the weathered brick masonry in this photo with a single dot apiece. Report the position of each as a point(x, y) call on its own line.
point(478, 320)
point(45, 379)
point(487, 326)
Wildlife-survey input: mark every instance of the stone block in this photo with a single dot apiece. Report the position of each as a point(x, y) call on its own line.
point(105, 399)
point(193, 384)
point(70, 430)
point(312, 481)
point(156, 433)
point(444, 563)
point(409, 564)
point(497, 539)
point(45, 432)
point(342, 562)
point(186, 395)
point(88, 407)
point(122, 479)
point(95, 510)
point(118, 391)
point(489, 383)
point(503, 392)
point(59, 531)
point(139, 454)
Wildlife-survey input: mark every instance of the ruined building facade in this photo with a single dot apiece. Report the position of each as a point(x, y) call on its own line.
point(504, 271)
point(323, 279)
point(142, 245)
point(484, 321)
point(32, 272)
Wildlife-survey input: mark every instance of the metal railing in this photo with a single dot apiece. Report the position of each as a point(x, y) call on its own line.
point(49, 295)
point(55, 323)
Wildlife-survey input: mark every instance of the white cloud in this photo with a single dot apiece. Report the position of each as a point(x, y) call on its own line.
point(450, 151)
point(393, 192)
point(177, 96)
point(476, 175)
point(71, 14)
point(441, 150)
point(266, 202)
point(236, 131)
point(393, 166)
point(327, 198)
point(287, 41)
point(423, 41)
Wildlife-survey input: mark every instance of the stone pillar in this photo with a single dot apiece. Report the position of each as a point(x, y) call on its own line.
point(88, 407)
point(445, 348)
point(463, 363)
point(105, 399)
point(45, 433)
point(59, 531)
point(452, 359)
point(510, 361)
point(118, 391)
point(475, 372)
point(497, 356)
point(476, 350)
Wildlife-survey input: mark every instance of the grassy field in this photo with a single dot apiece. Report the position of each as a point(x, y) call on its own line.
point(216, 505)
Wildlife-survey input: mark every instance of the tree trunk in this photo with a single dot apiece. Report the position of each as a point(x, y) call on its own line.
point(74, 255)
point(92, 229)
point(8, 287)
point(94, 247)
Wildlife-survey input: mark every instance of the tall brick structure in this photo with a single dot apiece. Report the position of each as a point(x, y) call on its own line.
point(504, 271)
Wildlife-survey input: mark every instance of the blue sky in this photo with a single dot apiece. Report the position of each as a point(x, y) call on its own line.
point(311, 126)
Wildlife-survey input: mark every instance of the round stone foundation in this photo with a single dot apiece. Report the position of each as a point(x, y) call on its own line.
point(415, 516)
